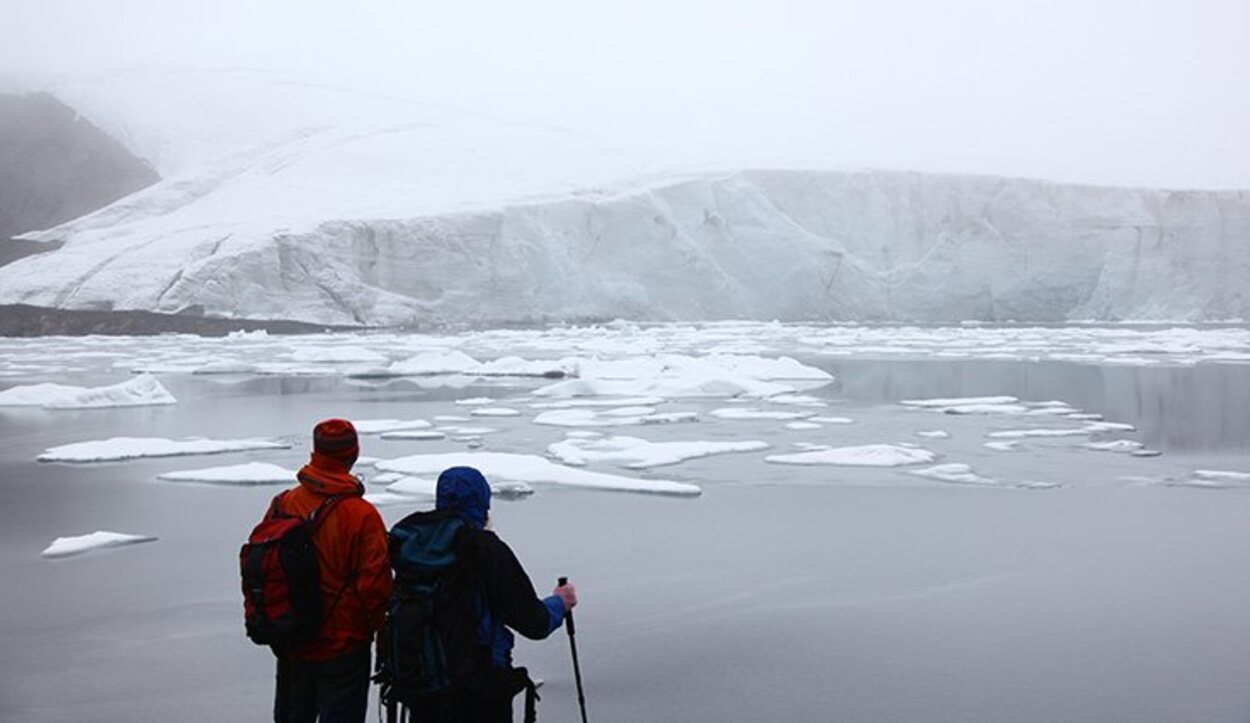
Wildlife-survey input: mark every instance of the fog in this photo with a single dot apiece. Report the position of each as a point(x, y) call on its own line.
point(1129, 93)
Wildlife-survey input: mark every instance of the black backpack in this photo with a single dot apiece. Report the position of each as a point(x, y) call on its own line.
point(430, 646)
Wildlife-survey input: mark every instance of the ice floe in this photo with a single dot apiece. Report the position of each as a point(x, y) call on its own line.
point(494, 412)
point(121, 448)
point(869, 455)
point(831, 420)
point(100, 539)
point(415, 434)
point(143, 390)
point(955, 472)
point(933, 434)
point(635, 453)
point(530, 469)
point(1003, 446)
point(382, 426)
point(248, 473)
point(1120, 445)
point(751, 413)
point(803, 426)
point(583, 417)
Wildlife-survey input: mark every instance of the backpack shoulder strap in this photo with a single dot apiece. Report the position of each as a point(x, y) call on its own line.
point(275, 507)
point(324, 509)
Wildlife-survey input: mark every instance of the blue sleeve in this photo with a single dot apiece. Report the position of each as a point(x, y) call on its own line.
point(555, 611)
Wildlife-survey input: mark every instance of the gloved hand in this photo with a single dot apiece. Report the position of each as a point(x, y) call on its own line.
point(568, 594)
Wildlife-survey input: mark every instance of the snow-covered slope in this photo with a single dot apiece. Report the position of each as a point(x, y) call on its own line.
point(283, 200)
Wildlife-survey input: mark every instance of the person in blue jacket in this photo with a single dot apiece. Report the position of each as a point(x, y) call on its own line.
point(509, 602)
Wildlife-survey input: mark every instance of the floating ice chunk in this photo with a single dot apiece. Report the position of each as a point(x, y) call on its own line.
point(226, 366)
point(954, 472)
point(513, 366)
point(583, 434)
point(1119, 445)
point(1146, 453)
point(831, 420)
point(1089, 416)
point(758, 367)
point(1042, 432)
point(37, 395)
point(475, 401)
point(670, 417)
point(751, 413)
point(627, 411)
point(803, 426)
point(386, 498)
point(670, 376)
point(637, 453)
point(411, 485)
point(143, 390)
point(100, 539)
point(385, 478)
point(494, 412)
point(578, 417)
point(415, 434)
point(337, 355)
point(119, 448)
point(869, 455)
point(933, 434)
point(1037, 485)
point(531, 469)
point(986, 409)
point(957, 402)
point(1097, 427)
point(609, 402)
point(382, 426)
point(250, 473)
point(443, 361)
point(1009, 446)
point(1217, 475)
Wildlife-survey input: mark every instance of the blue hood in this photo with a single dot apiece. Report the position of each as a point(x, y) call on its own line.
point(465, 490)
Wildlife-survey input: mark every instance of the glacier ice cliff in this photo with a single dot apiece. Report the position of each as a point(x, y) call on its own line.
point(790, 245)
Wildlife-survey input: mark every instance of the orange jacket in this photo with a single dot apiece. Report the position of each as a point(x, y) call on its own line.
point(351, 545)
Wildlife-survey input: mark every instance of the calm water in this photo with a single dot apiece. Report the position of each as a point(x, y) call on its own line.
point(784, 593)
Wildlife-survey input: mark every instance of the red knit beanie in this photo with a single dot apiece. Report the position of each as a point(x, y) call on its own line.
point(336, 438)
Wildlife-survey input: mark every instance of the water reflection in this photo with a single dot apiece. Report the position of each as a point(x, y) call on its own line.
point(1202, 407)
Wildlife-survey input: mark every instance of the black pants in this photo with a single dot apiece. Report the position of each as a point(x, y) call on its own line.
point(331, 691)
point(492, 705)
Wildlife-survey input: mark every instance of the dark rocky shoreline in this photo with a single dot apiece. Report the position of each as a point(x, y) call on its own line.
point(20, 320)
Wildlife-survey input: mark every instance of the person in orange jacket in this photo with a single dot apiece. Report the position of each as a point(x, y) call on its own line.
point(328, 679)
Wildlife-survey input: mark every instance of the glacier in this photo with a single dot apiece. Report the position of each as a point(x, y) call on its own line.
point(320, 205)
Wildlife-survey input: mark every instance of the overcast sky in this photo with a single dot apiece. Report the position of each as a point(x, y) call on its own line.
point(1142, 93)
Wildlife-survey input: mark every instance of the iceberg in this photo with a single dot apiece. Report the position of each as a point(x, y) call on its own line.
point(249, 473)
point(143, 390)
point(635, 453)
point(869, 455)
point(100, 539)
point(121, 448)
point(531, 469)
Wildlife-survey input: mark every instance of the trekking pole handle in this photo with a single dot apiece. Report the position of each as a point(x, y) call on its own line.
point(568, 614)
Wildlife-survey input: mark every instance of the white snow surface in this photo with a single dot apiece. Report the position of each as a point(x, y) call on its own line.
point(143, 390)
point(635, 453)
point(100, 539)
point(869, 455)
point(299, 200)
point(531, 469)
point(120, 448)
point(248, 473)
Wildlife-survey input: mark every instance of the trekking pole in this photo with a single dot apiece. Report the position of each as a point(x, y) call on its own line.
point(577, 669)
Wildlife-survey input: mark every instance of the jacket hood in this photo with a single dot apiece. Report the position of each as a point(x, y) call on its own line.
point(466, 491)
point(325, 476)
